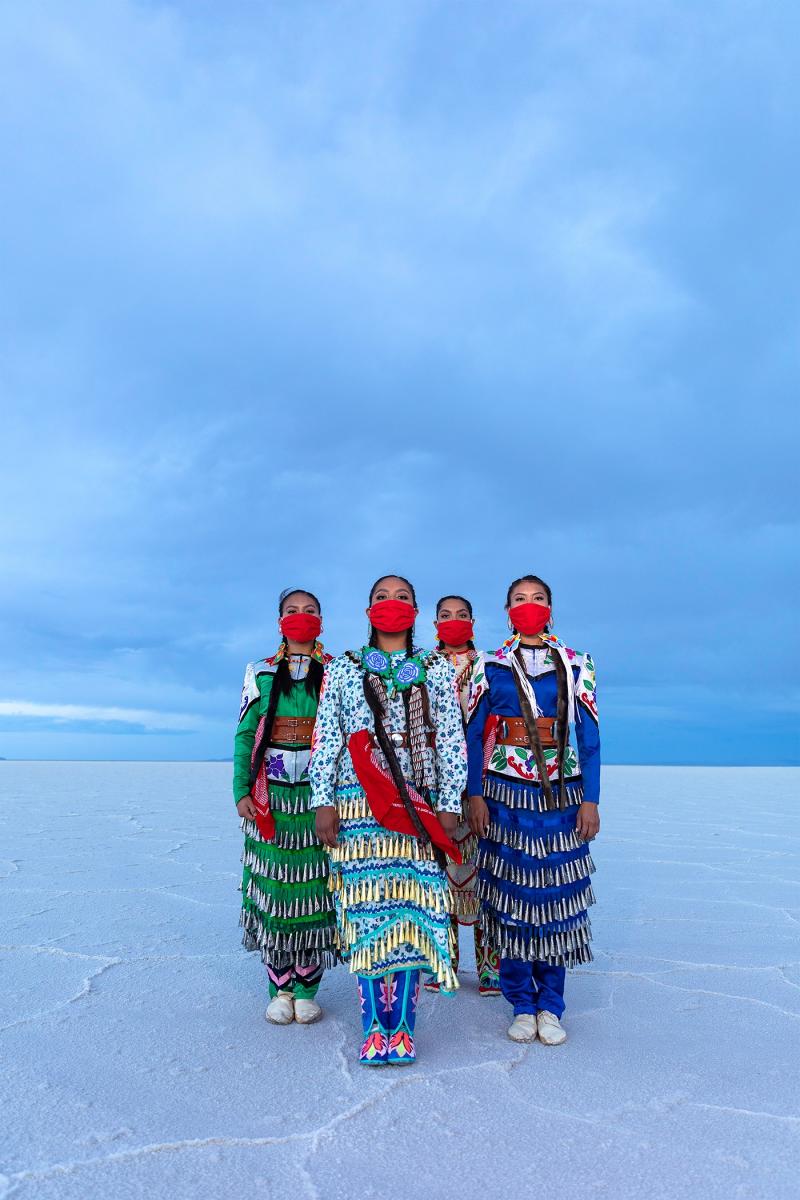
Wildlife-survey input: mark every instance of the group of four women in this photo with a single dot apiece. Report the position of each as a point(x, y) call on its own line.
point(392, 793)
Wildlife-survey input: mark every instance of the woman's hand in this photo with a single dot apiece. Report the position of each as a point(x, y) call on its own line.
point(478, 816)
point(449, 823)
point(587, 824)
point(327, 825)
point(246, 808)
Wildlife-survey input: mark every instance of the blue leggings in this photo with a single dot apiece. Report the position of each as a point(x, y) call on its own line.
point(532, 987)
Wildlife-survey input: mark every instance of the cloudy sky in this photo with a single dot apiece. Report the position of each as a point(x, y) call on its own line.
point(301, 293)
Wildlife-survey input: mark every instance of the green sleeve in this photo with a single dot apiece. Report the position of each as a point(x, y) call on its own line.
point(250, 715)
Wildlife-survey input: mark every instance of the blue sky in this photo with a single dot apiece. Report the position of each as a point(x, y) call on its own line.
point(304, 293)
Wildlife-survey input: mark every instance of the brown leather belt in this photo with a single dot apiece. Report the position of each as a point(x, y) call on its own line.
point(296, 731)
point(511, 731)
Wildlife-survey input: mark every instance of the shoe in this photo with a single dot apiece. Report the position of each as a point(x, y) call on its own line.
point(306, 1012)
point(551, 1031)
point(373, 1052)
point(431, 984)
point(523, 1028)
point(402, 1052)
point(489, 987)
point(280, 1010)
point(376, 1033)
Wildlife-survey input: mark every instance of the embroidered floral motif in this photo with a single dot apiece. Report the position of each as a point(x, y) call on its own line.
point(276, 768)
point(399, 671)
point(388, 994)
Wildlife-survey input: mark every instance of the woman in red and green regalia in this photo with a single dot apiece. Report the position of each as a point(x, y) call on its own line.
point(287, 913)
point(387, 771)
point(533, 804)
point(455, 629)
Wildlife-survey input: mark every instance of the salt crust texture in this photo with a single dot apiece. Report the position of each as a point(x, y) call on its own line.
point(137, 1061)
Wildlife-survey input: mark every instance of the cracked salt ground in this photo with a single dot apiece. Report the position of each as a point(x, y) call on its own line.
point(137, 1061)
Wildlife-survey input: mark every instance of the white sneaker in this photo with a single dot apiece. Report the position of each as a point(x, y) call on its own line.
point(280, 1010)
point(523, 1028)
point(551, 1031)
point(306, 1012)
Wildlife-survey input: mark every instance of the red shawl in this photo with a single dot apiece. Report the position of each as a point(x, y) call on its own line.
point(384, 799)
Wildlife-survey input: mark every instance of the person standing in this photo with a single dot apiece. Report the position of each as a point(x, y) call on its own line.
point(388, 767)
point(533, 805)
point(287, 911)
point(455, 628)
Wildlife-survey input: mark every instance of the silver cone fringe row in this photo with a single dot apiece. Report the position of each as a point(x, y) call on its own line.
point(536, 914)
point(282, 801)
point(569, 948)
point(536, 847)
point(268, 868)
point(283, 910)
point(304, 947)
point(568, 872)
point(518, 795)
point(284, 839)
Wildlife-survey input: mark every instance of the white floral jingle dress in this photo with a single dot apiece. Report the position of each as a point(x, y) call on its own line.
point(392, 897)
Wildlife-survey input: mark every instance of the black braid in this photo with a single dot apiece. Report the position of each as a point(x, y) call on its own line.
point(282, 684)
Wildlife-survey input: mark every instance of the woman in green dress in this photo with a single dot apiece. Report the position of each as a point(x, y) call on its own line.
point(287, 911)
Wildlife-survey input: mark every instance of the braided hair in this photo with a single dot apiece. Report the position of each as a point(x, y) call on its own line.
point(373, 632)
point(283, 683)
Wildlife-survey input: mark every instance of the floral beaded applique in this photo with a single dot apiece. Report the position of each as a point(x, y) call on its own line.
point(399, 672)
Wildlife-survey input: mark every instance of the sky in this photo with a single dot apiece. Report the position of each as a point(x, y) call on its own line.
point(297, 294)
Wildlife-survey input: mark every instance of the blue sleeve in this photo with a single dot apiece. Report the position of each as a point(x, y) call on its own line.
point(478, 709)
point(587, 729)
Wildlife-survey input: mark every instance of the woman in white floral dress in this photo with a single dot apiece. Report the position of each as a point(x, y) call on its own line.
point(388, 768)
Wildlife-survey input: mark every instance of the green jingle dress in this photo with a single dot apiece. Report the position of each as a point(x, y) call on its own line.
point(287, 910)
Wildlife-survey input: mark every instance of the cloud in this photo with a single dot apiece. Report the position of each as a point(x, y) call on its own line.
point(150, 721)
point(317, 292)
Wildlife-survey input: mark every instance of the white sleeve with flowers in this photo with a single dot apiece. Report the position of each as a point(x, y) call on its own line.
point(451, 749)
point(327, 740)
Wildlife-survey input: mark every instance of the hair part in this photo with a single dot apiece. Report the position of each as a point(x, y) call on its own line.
point(373, 632)
point(454, 596)
point(529, 579)
point(467, 605)
point(287, 592)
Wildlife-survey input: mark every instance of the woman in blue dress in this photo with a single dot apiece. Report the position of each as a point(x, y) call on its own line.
point(533, 806)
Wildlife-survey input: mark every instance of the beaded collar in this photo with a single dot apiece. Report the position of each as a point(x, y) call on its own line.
point(318, 654)
point(398, 670)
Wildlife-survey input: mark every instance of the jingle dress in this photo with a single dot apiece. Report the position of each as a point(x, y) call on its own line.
point(533, 868)
point(392, 897)
point(463, 876)
point(287, 913)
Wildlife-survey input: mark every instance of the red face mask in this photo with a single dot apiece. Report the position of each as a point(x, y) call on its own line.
point(392, 616)
point(529, 619)
point(301, 627)
point(455, 633)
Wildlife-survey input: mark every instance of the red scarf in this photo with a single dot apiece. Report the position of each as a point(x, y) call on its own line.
point(260, 790)
point(384, 799)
